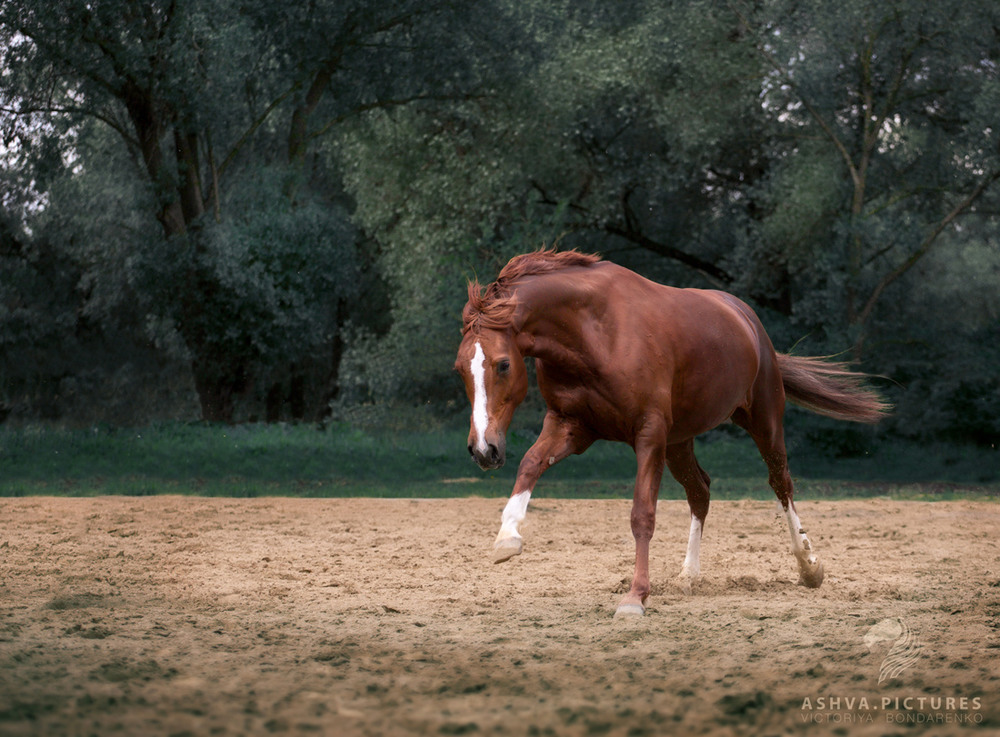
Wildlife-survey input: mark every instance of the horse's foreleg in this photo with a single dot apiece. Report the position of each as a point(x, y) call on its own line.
point(650, 456)
point(559, 438)
point(685, 469)
point(509, 541)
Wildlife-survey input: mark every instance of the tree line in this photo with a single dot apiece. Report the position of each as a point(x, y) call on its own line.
point(252, 211)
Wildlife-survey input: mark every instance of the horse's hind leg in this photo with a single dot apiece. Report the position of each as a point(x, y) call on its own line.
point(765, 427)
point(649, 452)
point(685, 469)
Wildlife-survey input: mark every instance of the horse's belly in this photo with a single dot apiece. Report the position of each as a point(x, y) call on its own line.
point(707, 396)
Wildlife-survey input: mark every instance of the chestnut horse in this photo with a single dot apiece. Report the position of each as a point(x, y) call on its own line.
point(619, 357)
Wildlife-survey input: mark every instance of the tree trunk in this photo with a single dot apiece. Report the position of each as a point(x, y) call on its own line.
point(218, 378)
point(272, 404)
point(336, 356)
point(298, 129)
point(149, 132)
point(217, 382)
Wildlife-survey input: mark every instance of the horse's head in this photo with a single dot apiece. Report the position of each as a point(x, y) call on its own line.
point(496, 382)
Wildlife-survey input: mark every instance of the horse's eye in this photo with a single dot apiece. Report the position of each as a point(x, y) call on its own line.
point(503, 367)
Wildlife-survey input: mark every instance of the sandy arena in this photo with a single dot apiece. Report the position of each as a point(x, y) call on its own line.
point(187, 616)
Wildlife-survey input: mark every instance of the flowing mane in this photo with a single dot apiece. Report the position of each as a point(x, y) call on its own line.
point(492, 307)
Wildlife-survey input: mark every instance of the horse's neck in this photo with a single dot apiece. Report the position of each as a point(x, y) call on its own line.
point(554, 351)
point(547, 329)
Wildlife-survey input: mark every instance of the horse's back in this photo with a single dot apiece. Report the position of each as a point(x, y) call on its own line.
point(695, 324)
point(698, 352)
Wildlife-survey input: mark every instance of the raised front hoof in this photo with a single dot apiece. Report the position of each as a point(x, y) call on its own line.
point(811, 574)
point(504, 550)
point(629, 610)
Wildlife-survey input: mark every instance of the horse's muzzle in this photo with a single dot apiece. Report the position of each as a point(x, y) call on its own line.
point(492, 458)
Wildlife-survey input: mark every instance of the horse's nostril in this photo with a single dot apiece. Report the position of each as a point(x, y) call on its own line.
point(470, 449)
point(494, 455)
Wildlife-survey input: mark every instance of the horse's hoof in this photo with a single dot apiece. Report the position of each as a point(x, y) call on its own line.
point(506, 549)
point(811, 575)
point(630, 610)
point(686, 583)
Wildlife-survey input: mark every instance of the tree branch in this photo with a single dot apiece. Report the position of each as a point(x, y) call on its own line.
point(716, 276)
point(68, 110)
point(387, 103)
point(924, 246)
point(813, 112)
point(252, 128)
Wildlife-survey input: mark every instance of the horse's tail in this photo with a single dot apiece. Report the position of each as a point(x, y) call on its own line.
point(831, 389)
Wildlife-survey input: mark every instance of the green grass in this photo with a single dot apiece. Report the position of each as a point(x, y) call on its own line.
point(340, 461)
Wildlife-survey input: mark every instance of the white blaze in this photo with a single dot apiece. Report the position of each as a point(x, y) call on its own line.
point(480, 418)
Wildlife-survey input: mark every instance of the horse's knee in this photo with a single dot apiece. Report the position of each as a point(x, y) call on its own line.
point(643, 522)
point(531, 465)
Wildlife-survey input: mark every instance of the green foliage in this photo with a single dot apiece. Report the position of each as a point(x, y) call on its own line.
point(942, 346)
point(891, 97)
point(279, 207)
point(280, 271)
point(76, 334)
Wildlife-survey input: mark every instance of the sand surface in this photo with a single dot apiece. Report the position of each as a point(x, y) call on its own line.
point(187, 616)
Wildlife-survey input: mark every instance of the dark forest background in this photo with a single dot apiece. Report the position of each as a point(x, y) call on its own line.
point(235, 211)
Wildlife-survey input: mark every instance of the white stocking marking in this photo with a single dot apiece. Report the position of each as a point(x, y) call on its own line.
point(692, 565)
point(513, 515)
point(480, 418)
point(801, 547)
